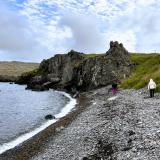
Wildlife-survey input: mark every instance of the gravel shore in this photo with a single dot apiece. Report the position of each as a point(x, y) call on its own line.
point(121, 127)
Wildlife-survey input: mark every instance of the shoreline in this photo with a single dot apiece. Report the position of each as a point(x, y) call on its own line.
point(124, 126)
point(31, 146)
point(102, 126)
point(24, 137)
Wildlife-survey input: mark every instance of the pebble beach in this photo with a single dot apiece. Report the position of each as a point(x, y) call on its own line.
point(102, 127)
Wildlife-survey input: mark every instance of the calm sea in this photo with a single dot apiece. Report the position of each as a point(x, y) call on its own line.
point(21, 111)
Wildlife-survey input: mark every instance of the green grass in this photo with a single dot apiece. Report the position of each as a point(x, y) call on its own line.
point(146, 66)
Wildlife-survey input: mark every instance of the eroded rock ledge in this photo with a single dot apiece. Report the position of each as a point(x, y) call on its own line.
point(77, 71)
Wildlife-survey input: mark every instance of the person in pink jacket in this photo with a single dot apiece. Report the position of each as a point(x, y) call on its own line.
point(151, 87)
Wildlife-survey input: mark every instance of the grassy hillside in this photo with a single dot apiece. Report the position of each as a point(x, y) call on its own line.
point(11, 70)
point(146, 66)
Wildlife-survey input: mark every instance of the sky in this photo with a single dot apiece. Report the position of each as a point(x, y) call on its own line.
point(33, 30)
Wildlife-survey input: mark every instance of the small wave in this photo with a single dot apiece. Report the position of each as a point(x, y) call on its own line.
point(9, 145)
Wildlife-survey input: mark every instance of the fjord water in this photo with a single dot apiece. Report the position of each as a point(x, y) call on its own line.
point(22, 110)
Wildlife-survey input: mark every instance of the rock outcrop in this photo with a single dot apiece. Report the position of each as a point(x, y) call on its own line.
point(49, 117)
point(80, 72)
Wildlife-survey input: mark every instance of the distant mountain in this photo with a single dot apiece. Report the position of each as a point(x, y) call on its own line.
point(10, 71)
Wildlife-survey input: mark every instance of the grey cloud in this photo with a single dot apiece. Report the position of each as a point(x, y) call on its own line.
point(18, 41)
point(145, 23)
point(86, 35)
point(148, 35)
point(15, 34)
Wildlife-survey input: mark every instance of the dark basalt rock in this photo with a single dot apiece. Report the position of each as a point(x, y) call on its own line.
point(49, 116)
point(104, 151)
point(85, 158)
point(37, 87)
point(130, 132)
point(76, 71)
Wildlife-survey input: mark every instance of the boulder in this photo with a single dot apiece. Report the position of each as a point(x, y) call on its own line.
point(36, 80)
point(49, 117)
point(37, 87)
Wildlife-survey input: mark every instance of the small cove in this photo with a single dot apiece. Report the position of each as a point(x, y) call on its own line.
point(23, 111)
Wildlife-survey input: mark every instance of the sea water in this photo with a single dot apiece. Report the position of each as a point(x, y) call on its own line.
point(22, 112)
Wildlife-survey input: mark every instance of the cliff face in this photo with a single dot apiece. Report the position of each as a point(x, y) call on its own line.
point(77, 71)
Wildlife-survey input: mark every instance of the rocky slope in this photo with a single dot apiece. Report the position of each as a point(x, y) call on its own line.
point(80, 72)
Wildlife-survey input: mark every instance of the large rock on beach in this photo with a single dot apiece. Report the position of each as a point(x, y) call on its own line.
point(49, 117)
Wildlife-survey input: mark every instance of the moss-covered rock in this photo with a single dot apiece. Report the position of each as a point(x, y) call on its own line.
point(25, 77)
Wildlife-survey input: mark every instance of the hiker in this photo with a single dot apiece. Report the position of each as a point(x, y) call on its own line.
point(114, 88)
point(151, 87)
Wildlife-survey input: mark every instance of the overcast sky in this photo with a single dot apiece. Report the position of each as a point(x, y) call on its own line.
point(32, 30)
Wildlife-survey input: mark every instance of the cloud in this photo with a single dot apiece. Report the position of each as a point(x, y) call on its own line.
point(15, 35)
point(35, 29)
point(26, 39)
point(143, 22)
point(86, 36)
point(128, 38)
point(17, 39)
point(91, 24)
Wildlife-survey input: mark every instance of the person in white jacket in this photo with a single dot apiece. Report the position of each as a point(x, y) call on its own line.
point(151, 87)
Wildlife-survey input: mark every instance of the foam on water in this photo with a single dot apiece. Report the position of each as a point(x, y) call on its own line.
point(68, 107)
point(9, 145)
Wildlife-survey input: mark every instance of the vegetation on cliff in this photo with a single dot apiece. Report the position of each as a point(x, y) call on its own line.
point(145, 66)
point(27, 75)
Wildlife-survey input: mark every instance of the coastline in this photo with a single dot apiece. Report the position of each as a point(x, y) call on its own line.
point(33, 144)
point(102, 127)
point(24, 137)
point(124, 126)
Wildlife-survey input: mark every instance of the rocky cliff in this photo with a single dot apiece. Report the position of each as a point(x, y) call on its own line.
point(80, 72)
